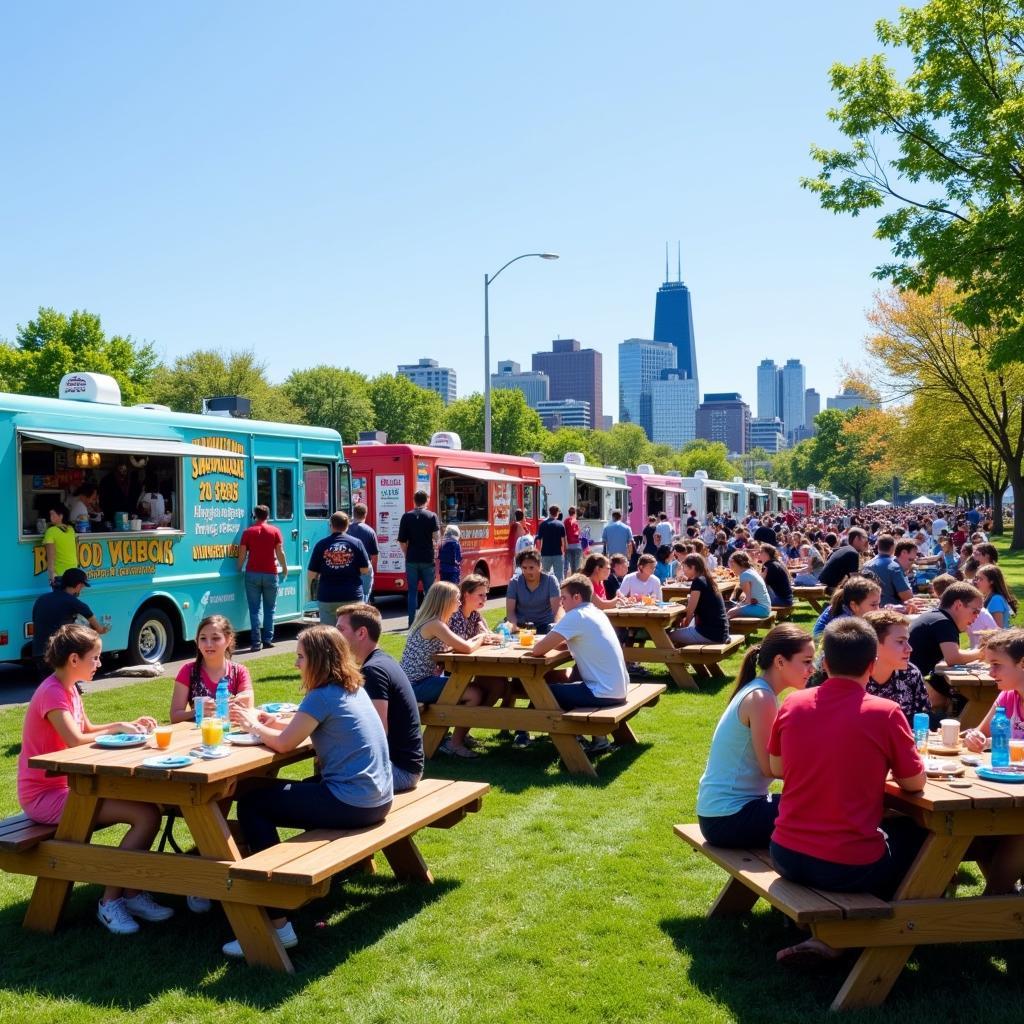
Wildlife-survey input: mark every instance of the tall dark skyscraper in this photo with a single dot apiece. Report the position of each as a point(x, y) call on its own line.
point(673, 320)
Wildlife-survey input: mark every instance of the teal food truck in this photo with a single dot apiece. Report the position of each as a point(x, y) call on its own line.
point(159, 501)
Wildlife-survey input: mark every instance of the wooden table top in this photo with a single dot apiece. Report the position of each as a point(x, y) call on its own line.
point(940, 796)
point(506, 657)
point(975, 672)
point(631, 614)
point(89, 759)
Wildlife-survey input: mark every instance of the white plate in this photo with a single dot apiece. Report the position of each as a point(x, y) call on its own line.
point(210, 755)
point(242, 739)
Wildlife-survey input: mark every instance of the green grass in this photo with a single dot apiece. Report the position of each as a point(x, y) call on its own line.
point(562, 901)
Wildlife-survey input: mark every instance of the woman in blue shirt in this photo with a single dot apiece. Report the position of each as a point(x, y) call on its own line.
point(999, 602)
point(755, 601)
point(354, 789)
point(734, 808)
point(857, 596)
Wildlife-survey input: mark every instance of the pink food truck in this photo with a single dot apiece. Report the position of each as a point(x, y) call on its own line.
point(652, 493)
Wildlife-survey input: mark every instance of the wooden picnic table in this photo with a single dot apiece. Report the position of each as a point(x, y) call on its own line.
point(974, 683)
point(656, 620)
point(679, 590)
point(543, 716)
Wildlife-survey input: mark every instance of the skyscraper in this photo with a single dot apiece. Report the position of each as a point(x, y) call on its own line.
point(725, 417)
point(794, 384)
point(640, 364)
point(812, 406)
point(673, 320)
point(535, 386)
point(574, 372)
point(766, 433)
point(768, 389)
point(427, 374)
point(673, 408)
point(564, 412)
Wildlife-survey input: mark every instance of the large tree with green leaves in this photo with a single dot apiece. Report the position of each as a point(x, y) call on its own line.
point(625, 446)
point(711, 456)
point(329, 396)
point(407, 413)
point(54, 344)
point(939, 154)
point(515, 427)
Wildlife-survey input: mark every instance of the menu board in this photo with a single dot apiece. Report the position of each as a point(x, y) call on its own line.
point(502, 512)
point(390, 505)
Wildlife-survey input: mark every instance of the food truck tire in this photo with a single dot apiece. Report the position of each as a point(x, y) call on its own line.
point(151, 638)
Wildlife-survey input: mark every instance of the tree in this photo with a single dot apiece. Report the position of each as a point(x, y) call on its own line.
point(206, 373)
point(795, 468)
point(850, 449)
point(939, 154)
point(55, 344)
point(555, 443)
point(711, 456)
point(625, 446)
point(407, 413)
point(328, 396)
point(515, 427)
point(923, 350)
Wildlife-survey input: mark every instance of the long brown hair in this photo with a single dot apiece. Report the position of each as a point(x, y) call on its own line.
point(218, 622)
point(787, 640)
point(697, 562)
point(997, 581)
point(329, 659)
point(855, 588)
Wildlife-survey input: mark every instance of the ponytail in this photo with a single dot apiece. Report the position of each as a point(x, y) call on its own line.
point(787, 640)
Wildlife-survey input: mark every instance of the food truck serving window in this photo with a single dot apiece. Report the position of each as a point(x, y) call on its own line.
point(462, 494)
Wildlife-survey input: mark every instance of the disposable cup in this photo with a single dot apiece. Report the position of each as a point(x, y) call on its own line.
point(162, 735)
point(950, 729)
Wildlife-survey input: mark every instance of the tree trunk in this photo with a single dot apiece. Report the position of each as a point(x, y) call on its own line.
point(1017, 484)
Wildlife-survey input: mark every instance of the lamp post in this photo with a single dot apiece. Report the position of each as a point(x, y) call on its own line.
point(487, 340)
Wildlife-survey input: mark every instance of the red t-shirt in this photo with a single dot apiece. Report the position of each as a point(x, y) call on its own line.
point(261, 542)
point(599, 590)
point(572, 530)
point(837, 744)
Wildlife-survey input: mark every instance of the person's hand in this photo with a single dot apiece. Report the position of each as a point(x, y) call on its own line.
point(117, 727)
point(266, 718)
point(146, 723)
point(243, 716)
point(209, 707)
point(491, 638)
point(974, 740)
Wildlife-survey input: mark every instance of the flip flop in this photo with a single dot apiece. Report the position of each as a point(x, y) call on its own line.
point(809, 954)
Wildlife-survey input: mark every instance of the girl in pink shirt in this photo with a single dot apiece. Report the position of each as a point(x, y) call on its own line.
point(55, 720)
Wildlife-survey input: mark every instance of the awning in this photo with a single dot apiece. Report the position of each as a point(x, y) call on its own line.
point(599, 481)
point(711, 486)
point(126, 445)
point(667, 488)
point(482, 474)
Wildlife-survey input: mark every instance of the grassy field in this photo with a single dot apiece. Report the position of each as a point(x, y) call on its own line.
point(562, 901)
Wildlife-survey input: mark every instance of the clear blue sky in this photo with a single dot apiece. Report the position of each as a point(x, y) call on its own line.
point(328, 182)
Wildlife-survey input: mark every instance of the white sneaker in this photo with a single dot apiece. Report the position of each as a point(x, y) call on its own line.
point(145, 908)
point(114, 916)
point(286, 933)
point(198, 904)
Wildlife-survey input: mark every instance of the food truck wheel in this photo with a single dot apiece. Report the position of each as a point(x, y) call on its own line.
point(151, 638)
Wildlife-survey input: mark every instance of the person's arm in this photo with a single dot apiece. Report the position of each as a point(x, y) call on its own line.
point(280, 739)
point(243, 553)
point(912, 783)
point(975, 738)
point(282, 561)
point(549, 642)
point(381, 707)
point(775, 766)
point(565, 545)
point(98, 626)
point(758, 711)
point(510, 613)
point(630, 548)
point(556, 608)
point(311, 577)
point(439, 630)
point(179, 704)
point(51, 561)
point(68, 729)
point(953, 655)
point(691, 607)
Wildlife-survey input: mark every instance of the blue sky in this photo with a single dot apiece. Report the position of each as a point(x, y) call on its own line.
point(328, 182)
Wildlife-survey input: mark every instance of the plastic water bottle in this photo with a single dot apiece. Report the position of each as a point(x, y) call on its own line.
point(921, 732)
point(199, 712)
point(503, 632)
point(1001, 729)
point(222, 703)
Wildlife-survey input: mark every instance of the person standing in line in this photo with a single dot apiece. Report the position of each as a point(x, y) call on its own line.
point(573, 542)
point(418, 530)
point(551, 541)
point(337, 564)
point(663, 533)
point(617, 538)
point(260, 553)
point(58, 608)
point(359, 529)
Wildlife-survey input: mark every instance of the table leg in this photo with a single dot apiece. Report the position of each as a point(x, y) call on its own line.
point(735, 898)
point(573, 756)
point(50, 895)
point(623, 735)
point(677, 671)
point(250, 924)
point(406, 860)
point(433, 735)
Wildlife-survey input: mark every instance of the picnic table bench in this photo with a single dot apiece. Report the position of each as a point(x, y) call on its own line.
point(814, 596)
point(975, 684)
point(287, 875)
point(747, 625)
point(886, 932)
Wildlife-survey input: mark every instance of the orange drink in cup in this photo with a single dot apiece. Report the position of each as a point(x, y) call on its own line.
point(648, 599)
point(162, 735)
point(526, 637)
point(1016, 751)
point(213, 732)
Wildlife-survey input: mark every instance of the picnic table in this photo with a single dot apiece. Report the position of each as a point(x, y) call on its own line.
point(543, 716)
point(679, 590)
point(285, 876)
point(974, 683)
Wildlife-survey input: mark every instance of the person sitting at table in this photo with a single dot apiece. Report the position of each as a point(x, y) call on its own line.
point(698, 547)
point(845, 560)
point(982, 625)
point(430, 636)
point(354, 787)
point(776, 576)
point(468, 622)
point(950, 559)
point(597, 569)
point(642, 583)
point(813, 564)
point(532, 596)
point(705, 620)
point(754, 601)
point(893, 676)
point(734, 807)
point(999, 601)
point(663, 564)
point(618, 564)
point(891, 565)
point(833, 747)
point(986, 554)
point(857, 596)
point(55, 720)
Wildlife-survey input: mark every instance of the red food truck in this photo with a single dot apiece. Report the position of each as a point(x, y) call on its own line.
point(477, 492)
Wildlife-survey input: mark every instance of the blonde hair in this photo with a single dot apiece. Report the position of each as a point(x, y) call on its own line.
point(439, 602)
point(328, 659)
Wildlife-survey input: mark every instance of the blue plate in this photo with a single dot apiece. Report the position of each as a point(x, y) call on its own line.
point(168, 761)
point(275, 708)
point(121, 740)
point(1011, 773)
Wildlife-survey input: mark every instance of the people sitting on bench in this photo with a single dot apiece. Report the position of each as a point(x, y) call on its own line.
point(857, 596)
point(754, 601)
point(705, 621)
point(354, 789)
point(776, 577)
point(734, 808)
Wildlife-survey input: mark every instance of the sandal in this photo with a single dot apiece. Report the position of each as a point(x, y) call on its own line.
point(810, 953)
point(452, 751)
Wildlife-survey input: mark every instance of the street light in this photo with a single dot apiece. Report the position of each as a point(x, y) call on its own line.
point(487, 340)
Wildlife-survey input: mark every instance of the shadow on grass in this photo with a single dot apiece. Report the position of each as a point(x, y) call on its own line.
point(732, 960)
point(184, 953)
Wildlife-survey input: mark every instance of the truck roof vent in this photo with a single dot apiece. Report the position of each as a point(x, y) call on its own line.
point(575, 459)
point(446, 439)
point(89, 387)
point(645, 469)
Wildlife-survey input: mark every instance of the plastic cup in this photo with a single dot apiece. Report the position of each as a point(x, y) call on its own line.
point(213, 732)
point(526, 637)
point(162, 735)
point(950, 728)
point(1016, 751)
point(199, 713)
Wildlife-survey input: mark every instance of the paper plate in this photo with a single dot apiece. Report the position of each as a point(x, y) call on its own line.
point(242, 739)
point(279, 707)
point(168, 761)
point(942, 768)
point(122, 740)
point(1011, 773)
point(210, 755)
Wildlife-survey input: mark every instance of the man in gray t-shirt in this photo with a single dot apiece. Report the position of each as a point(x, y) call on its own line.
point(617, 537)
point(532, 596)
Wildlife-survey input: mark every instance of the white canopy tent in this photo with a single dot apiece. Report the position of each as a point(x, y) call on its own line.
point(923, 500)
point(881, 503)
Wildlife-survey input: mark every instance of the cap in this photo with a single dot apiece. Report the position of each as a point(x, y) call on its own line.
point(72, 577)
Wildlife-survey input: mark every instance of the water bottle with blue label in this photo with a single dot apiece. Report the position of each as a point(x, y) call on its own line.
point(222, 704)
point(921, 732)
point(503, 632)
point(1000, 728)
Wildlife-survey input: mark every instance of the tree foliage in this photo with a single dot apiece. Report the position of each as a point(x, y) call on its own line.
point(625, 446)
point(939, 155)
point(515, 427)
point(711, 456)
point(407, 413)
point(328, 396)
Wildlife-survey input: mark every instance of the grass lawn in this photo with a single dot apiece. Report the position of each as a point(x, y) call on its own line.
point(561, 901)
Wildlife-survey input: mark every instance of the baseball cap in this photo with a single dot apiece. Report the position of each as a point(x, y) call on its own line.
point(72, 577)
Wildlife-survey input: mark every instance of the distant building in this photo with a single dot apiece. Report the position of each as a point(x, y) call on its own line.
point(766, 432)
point(848, 399)
point(564, 412)
point(640, 364)
point(536, 387)
point(427, 374)
point(574, 373)
point(794, 386)
point(673, 408)
point(725, 417)
point(812, 406)
point(769, 386)
point(607, 422)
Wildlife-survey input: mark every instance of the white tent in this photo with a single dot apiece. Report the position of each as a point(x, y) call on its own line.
point(923, 500)
point(881, 503)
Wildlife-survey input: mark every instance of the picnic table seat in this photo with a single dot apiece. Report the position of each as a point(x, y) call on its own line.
point(313, 857)
point(706, 659)
point(814, 596)
point(19, 833)
point(615, 720)
point(748, 625)
point(782, 612)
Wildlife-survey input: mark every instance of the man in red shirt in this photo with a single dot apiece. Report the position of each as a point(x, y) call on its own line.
point(260, 553)
point(573, 542)
point(833, 747)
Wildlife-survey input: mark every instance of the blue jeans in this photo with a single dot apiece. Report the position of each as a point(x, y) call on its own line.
point(574, 558)
point(367, 582)
point(579, 695)
point(554, 564)
point(261, 589)
point(415, 572)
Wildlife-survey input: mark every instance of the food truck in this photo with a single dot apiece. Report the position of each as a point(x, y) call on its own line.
point(593, 490)
point(706, 495)
point(475, 491)
point(753, 500)
point(157, 566)
point(779, 498)
point(652, 493)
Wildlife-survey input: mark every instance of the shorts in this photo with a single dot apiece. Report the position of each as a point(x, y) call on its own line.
point(47, 807)
point(429, 688)
point(404, 781)
point(749, 827)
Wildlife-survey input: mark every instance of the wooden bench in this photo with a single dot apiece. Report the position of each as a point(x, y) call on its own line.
point(748, 625)
point(311, 858)
point(814, 596)
point(783, 612)
point(705, 660)
point(614, 721)
point(19, 833)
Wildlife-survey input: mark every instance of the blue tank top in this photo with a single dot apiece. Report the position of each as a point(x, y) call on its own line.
point(733, 777)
